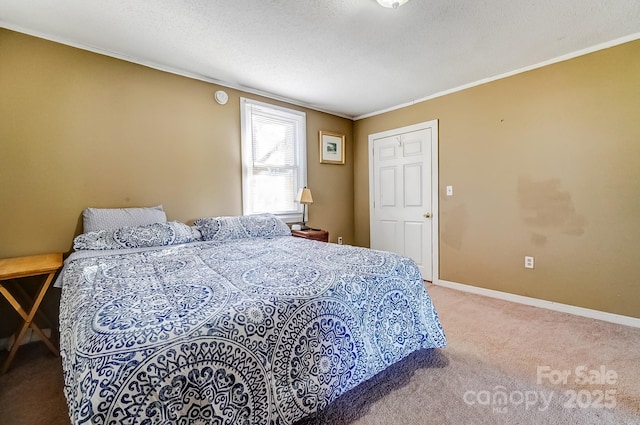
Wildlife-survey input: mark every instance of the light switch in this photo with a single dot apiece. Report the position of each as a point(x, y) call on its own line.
point(449, 190)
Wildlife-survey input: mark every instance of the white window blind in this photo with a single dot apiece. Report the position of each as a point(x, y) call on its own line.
point(273, 159)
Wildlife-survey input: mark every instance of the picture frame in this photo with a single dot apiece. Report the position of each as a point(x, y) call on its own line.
point(331, 147)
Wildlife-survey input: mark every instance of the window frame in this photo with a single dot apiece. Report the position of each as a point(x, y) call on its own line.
point(247, 106)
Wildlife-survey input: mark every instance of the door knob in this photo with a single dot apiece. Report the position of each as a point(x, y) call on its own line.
point(426, 215)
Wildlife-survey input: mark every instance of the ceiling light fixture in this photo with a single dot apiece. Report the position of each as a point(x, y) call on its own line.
point(391, 4)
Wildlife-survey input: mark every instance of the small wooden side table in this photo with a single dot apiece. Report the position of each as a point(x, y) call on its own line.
point(19, 267)
point(313, 234)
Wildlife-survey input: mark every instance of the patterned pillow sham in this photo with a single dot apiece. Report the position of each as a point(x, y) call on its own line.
point(240, 227)
point(156, 234)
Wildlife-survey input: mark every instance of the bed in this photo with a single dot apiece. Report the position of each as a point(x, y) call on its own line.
point(230, 321)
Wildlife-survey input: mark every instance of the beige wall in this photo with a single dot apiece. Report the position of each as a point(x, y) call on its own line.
point(79, 129)
point(544, 163)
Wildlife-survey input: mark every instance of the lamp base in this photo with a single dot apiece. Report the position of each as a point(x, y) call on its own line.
point(304, 227)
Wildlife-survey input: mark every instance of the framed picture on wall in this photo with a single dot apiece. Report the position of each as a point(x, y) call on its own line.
point(331, 148)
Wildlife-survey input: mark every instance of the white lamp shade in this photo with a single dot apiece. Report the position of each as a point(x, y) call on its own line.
point(304, 196)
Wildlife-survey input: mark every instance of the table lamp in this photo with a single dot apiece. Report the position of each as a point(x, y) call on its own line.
point(304, 197)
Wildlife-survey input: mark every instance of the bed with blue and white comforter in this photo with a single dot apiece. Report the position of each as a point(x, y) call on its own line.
point(251, 326)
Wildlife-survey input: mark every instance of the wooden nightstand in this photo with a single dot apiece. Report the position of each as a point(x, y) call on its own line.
point(19, 267)
point(313, 234)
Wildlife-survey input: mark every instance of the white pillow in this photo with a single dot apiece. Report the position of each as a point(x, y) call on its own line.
point(95, 219)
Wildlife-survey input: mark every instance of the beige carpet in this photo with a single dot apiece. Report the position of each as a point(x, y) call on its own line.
point(495, 348)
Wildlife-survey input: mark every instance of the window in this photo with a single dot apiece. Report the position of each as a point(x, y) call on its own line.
point(274, 160)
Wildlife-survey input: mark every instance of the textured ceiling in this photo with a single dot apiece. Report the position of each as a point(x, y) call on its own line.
point(349, 57)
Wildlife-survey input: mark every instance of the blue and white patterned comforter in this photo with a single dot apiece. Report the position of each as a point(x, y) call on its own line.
point(254, 330)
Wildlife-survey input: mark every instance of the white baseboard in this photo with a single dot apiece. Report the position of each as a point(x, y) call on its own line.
point(549, 305)
point(29, 336)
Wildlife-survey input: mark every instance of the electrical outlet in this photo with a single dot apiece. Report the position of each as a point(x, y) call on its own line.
point(449, 190)
point(528, 262)
point(339, 240)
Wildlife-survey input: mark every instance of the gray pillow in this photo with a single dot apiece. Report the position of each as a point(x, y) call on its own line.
point(95, 219)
